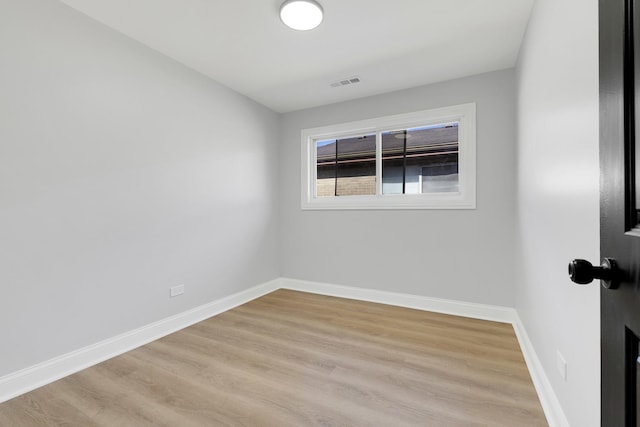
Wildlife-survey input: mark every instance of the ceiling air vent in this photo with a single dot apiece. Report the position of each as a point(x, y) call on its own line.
point(344, 82)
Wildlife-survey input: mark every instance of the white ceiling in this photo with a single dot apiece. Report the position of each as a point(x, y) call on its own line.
point(389, 44)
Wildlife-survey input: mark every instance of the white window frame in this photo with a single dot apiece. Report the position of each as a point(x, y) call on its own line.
point(465, 198)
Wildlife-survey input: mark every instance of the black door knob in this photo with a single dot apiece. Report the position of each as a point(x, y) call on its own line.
point(583, 272)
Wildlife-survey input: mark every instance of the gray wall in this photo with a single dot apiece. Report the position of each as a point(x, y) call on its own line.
point(558, 197)
point(465, 255)
point(122, 173)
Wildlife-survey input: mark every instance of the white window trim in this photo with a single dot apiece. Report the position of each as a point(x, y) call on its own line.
point(465, 198)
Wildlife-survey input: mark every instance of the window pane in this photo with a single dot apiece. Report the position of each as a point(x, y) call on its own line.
point(326, 168)
point(420, 160)
point(352, 172)
point(393, 162)
point(356, 166)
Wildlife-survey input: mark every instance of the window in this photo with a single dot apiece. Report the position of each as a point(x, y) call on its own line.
point(346, 167)
point(421, 160)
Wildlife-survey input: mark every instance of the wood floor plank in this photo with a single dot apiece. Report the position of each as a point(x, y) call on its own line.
point(295, 359)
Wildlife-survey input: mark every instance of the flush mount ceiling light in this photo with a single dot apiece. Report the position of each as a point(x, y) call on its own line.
point(301, 14)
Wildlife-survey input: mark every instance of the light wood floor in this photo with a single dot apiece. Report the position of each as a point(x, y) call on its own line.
point(297, 359)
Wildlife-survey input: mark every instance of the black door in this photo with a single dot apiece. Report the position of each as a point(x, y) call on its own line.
point(619, 208)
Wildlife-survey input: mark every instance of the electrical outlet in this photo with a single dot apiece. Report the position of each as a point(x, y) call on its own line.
point(561, 364)
point(174, 291)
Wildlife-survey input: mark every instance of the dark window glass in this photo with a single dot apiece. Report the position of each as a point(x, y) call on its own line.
point(346, 167)
point(420, 160)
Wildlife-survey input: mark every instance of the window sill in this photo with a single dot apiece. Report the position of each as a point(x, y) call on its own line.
point(391, 202)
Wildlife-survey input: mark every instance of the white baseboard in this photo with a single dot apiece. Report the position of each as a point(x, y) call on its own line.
point(458, 308)
point(28, 379)
point(548, 399)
